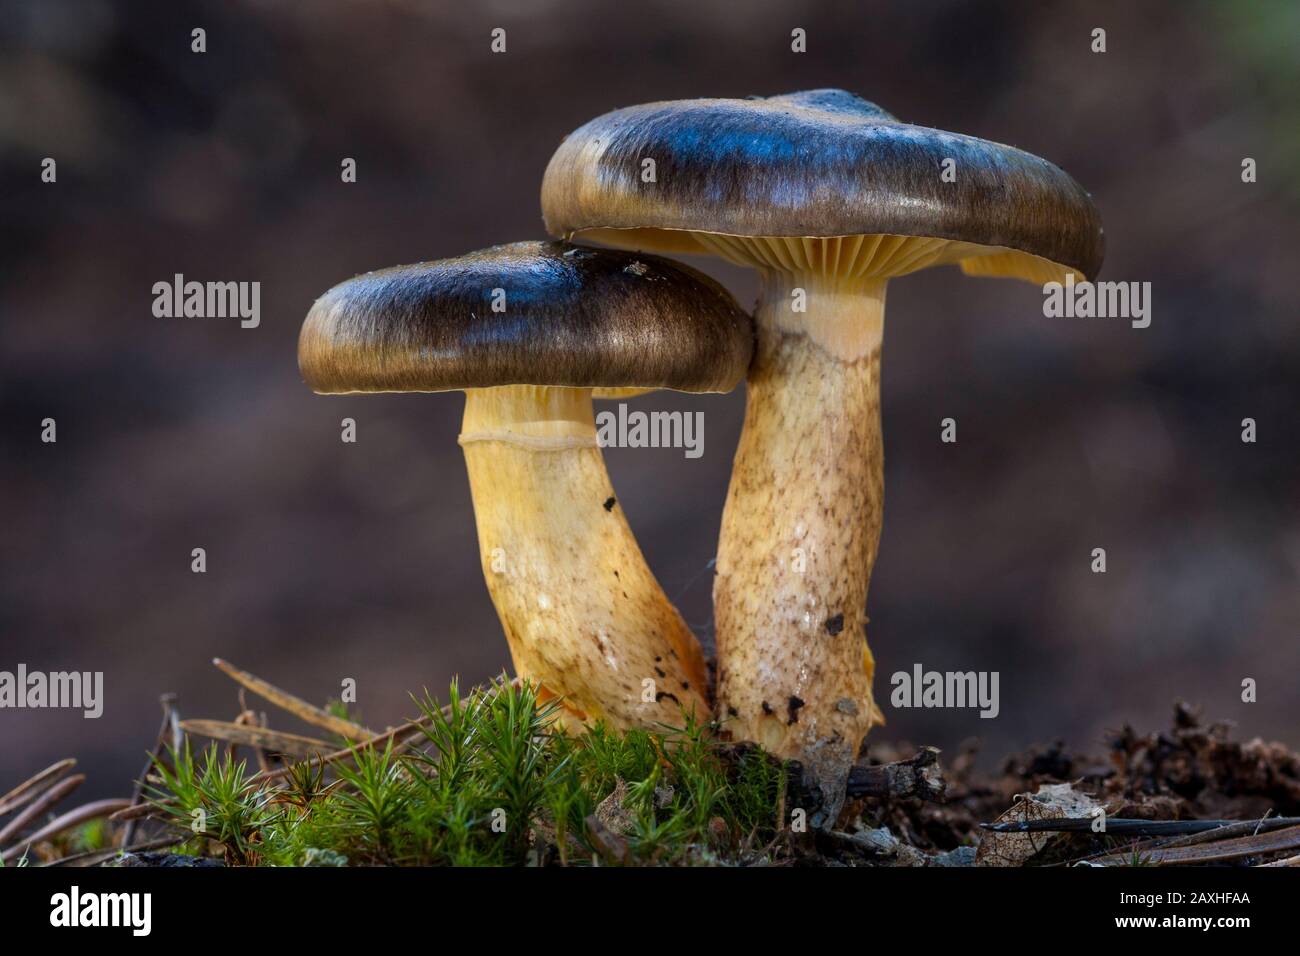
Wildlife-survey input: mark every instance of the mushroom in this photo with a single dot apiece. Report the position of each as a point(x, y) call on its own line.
point(828, 196)
point(527, 331)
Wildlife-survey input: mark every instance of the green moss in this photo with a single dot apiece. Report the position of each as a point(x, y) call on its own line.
point(493, 783)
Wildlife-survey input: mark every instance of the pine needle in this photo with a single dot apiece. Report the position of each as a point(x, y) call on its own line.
point(32, 787)
point(304, 711)
point(293, 744)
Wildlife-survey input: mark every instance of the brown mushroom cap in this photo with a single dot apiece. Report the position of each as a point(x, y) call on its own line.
point(820, 163)
point(573, 316)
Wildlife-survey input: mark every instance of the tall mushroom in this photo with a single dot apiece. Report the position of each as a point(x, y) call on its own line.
point(829, 197)
point(527, 331)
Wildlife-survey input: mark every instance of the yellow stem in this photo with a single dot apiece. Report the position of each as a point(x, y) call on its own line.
point(583, 614)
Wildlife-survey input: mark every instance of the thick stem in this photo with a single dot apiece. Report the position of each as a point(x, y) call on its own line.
point(583, 614)
point(801, 527)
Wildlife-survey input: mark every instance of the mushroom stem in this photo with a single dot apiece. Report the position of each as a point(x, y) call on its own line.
point(583, 614)
point(801, 526)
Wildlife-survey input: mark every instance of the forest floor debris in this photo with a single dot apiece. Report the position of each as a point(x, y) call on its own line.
point(481, 780)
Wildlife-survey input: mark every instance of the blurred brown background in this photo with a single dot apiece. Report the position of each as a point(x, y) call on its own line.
point(328, 560)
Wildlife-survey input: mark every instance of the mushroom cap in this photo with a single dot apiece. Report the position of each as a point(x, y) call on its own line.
point(820, 163)
point(573, 316)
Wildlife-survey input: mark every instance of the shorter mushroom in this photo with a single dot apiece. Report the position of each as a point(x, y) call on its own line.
point(528, 331)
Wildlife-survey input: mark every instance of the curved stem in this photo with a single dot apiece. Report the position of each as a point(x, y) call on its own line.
point(583, 614)
point(801, 527)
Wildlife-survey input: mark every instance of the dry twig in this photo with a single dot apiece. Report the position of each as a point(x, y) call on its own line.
point(919, 776)
point(170, 725)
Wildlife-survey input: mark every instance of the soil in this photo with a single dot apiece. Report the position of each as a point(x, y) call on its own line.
point(1192, 771)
